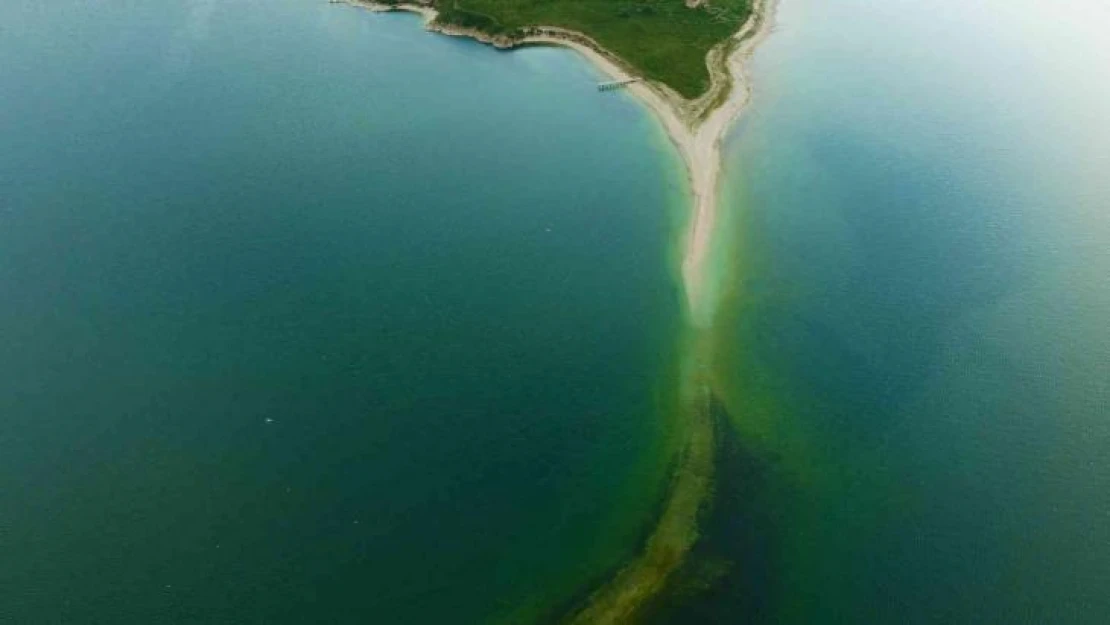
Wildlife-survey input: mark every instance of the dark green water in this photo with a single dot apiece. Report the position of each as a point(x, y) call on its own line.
point(917, 354)
point(307, 316)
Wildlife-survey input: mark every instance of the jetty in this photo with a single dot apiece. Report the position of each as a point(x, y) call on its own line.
point(613, 85)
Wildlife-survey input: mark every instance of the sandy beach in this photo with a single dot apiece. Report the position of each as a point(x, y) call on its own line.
point(696, 128)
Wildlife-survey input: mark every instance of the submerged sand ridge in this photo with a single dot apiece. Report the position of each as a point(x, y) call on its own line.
point(696, 128)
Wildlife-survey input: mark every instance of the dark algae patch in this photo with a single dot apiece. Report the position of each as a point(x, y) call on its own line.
point(663, 40)
point(725, 577)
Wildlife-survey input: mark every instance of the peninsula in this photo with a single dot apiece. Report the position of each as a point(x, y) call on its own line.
point(684, 59)
point(695, 101)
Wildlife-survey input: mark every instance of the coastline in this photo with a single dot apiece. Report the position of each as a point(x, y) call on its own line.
point(696, 128)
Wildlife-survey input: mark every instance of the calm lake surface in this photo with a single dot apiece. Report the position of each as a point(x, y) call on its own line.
point(919, 349)
point(311, 317)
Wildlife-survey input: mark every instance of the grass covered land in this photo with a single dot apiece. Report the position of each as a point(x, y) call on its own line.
point(662, 40)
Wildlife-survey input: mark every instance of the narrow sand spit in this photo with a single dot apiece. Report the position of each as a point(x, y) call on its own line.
point(696, 127)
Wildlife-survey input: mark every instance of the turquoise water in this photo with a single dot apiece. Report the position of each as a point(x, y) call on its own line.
point(309, 316)
point(919, 359)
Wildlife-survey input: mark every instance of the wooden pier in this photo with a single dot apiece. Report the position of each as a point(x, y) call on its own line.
point(616, 84)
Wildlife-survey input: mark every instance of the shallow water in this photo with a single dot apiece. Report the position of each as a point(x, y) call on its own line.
point(301, 326)
point(917, 357)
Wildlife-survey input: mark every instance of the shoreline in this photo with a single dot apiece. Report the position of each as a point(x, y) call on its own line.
point(704, 162)
point(697, 129)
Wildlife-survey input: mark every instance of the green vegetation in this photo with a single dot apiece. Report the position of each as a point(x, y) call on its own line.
point(663, 40)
